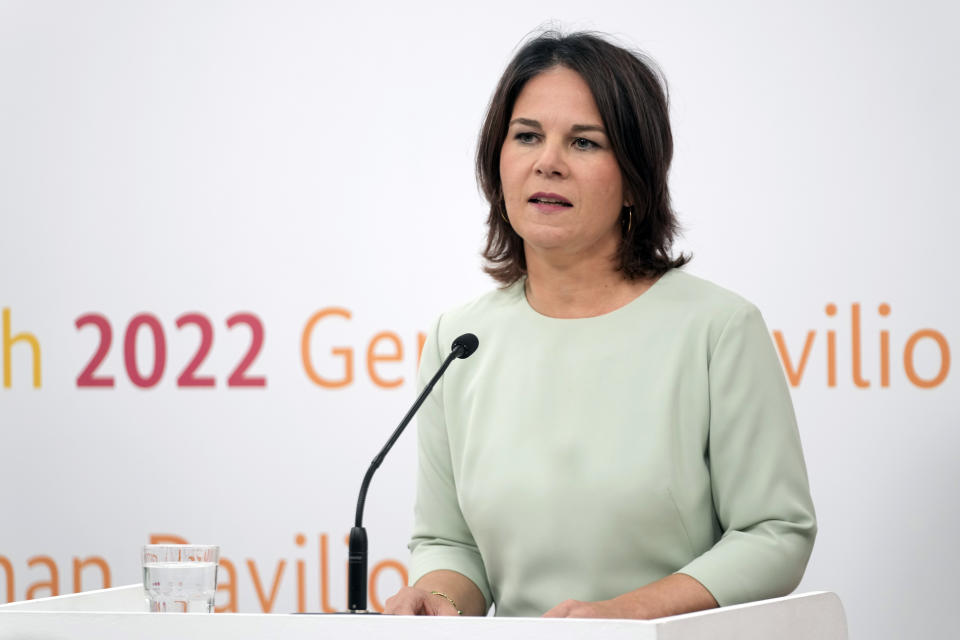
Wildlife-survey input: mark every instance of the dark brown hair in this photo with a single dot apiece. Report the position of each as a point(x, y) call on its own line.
point(631, 96)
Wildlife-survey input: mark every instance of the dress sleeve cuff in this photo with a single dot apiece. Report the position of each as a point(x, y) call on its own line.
point(748, 566)
point(429, 557)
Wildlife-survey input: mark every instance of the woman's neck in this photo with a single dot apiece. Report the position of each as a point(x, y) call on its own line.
point(583, 289)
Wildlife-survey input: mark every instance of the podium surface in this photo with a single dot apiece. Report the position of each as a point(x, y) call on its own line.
point(119, 613)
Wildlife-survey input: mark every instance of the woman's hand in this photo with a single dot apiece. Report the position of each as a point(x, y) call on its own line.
point(580, 609)
point(675, 594)
point(419, 601)
point(411, 601)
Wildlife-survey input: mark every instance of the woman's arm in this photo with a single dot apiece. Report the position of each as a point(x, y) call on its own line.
point(419, 600)
point(444, 556)
point(759, 486)
point(673, 595)
point(757, 472)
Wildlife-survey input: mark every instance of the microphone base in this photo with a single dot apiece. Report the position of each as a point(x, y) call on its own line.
point(337, 613)
point(357, 571)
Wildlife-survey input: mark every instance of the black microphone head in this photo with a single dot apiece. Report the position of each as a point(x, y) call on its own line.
point(465, 345)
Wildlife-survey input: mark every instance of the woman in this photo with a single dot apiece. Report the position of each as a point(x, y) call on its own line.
point(622, 445)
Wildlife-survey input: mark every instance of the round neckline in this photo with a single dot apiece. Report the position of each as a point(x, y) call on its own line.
point(639, 300)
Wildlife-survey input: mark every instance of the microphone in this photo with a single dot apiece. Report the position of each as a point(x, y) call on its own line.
point(462, 347)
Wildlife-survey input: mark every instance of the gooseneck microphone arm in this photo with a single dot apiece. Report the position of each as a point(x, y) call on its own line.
point(462, 347)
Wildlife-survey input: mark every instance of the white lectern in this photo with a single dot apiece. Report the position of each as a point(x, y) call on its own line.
point(118, 614)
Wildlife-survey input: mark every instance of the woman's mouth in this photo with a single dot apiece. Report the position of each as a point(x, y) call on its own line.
point(549, 202)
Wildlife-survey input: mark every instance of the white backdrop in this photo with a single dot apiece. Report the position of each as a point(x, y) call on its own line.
point(281, 159)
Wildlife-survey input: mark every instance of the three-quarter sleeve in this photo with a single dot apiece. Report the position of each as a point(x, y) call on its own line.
point(441, 538)
point(757, 472)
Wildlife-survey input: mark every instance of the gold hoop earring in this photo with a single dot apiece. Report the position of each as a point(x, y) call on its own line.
point(629, 220)
point(503, 216)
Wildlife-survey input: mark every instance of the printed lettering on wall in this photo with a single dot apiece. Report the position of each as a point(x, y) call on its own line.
point(338, 371)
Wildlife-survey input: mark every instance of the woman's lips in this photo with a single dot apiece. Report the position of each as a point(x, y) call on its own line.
point(549, 202)
point(547, 207)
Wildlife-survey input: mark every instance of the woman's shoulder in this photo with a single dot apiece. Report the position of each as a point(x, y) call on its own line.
point(481, 310)
point(704, 308)
point(498, 299)
point(683, 289)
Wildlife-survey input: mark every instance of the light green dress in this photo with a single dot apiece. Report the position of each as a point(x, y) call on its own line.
point(584, 458)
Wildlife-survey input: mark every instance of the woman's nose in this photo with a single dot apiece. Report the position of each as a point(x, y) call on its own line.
point(550, 162)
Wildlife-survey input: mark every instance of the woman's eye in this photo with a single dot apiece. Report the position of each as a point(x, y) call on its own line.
point(526, 137)
point(583, 143)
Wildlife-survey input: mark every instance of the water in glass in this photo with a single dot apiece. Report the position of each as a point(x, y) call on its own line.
point(186, 587)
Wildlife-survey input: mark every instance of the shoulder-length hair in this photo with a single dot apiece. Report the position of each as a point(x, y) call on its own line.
point(631, 96)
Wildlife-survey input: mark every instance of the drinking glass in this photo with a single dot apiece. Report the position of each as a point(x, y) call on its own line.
point(180, 577)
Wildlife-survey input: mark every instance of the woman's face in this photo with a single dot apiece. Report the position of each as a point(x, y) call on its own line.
point(561, 181)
